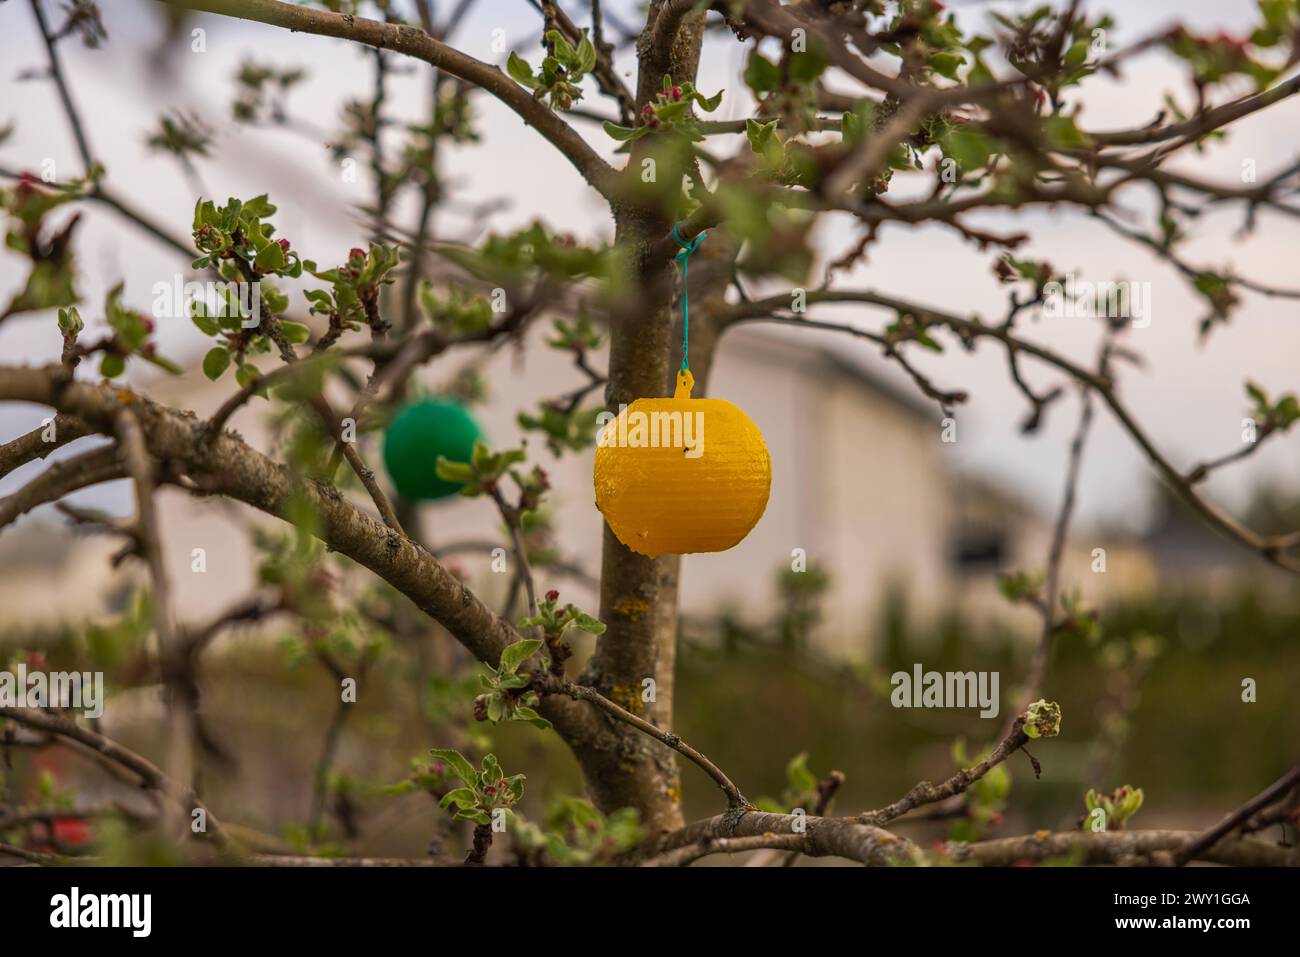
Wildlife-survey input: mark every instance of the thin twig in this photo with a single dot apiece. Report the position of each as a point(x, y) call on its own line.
point(412, 41)
point(927, 793)
point(549, 684)
point(1055, 552)
point(180, 726)
point(32, 445)
point(1273, 548)
point(148, 772)
point(511, 516)
point(62, 478)
point(61, 84)
point(1205, 842)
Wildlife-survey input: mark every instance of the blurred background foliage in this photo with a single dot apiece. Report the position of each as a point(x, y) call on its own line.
point(1147, 702)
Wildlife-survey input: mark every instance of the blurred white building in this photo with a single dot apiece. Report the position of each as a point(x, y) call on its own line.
point(860, 483)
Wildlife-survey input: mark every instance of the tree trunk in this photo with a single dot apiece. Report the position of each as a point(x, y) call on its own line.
point(638, 601)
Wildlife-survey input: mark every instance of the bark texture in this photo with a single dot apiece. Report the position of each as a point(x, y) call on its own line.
point(639, 594)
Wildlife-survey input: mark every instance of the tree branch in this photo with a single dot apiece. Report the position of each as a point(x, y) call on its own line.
point(179, 732)
point(927, 793)
point(32, 445)
point(226, 465)
point(414, 42)
point(1206, 842)
point(65, 95)
point(1206, 122)
point(1117, 847)
point(62, 478)
point(820, 837)
point(794, 843)
point(551, 685)
point(1271, 548)
point(148, 772)
point(1043, 653)
point(605, 75)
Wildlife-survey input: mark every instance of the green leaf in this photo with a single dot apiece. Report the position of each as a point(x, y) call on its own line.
point(564, 52)
point(806, 67)
point(516, 785)
point(260, 207)
point(463, 797)
point(516, 654)
point(1287, 411)
point(853, 125)
point(946, 64)
point(216, 362)
point(760, 135)
point(550, 72)
point(450, 471)
point(207, 325)
point(624, 133)
point(458, 764)
point(230, 214)
point(276, 301)
point(206, 214)
point(1019, 585)
point(1062, 132)
point(923, 338)
point(295, 332)
point(532, 717)
point(672, 112)
point(1077, 55)
point(586, 54)
point(709, 103)
point(520, 71)
point(112, 366)
point(591, 626)
point(270, 258)
point(970, 148)
point(246, 374)
point(797, 773)
point(761, 74)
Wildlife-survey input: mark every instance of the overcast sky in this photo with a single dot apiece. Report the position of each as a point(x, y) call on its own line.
point(1189, 396)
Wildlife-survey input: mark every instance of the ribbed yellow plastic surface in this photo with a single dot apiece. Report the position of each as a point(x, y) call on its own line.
point(662, 500)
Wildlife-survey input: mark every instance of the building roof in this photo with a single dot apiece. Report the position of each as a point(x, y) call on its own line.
point(821, 351)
